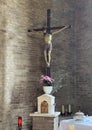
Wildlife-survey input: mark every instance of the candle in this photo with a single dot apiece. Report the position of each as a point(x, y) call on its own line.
point(69, 108)
point(71, 127)
point(63, 109)
point(19, 121)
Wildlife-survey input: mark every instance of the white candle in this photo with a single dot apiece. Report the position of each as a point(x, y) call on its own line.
point(69, 108)
point(63, 109)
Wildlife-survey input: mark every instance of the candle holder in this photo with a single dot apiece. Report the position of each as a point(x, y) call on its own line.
point(19, 128)
point(19, 123)
point(66, 112)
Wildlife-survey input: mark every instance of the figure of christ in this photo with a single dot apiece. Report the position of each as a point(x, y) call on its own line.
point(48, 39)
point(48, 45)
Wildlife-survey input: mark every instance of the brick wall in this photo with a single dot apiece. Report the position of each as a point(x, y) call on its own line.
point(77, 89)
point(22, 61)
point(83, 38)
point(2, 59)
point(45, 123)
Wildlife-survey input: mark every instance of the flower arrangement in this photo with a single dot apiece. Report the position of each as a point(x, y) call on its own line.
point(46, 80)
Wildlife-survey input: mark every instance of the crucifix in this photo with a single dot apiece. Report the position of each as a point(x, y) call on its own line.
point(48, 39)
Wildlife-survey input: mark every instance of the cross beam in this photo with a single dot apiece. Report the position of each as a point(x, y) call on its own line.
point(48, 28)
point(43, 28)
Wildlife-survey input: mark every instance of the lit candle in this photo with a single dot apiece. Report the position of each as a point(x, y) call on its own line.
point(69, 108)
point(63, 109)
point(19, 121)
point(71, 127)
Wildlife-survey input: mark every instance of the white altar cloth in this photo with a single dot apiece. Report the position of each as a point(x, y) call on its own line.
point(85, 124)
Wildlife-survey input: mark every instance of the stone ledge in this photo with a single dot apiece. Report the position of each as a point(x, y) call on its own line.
point(45, 114)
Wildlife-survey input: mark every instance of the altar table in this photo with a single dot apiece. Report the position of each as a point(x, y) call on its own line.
point(84, 124)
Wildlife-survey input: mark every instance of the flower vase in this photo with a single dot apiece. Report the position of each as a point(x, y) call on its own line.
point(47, 89)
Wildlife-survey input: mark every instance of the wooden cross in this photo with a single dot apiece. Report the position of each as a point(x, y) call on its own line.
point(47, 30)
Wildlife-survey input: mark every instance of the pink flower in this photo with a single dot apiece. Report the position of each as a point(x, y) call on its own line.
point(46, 80)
